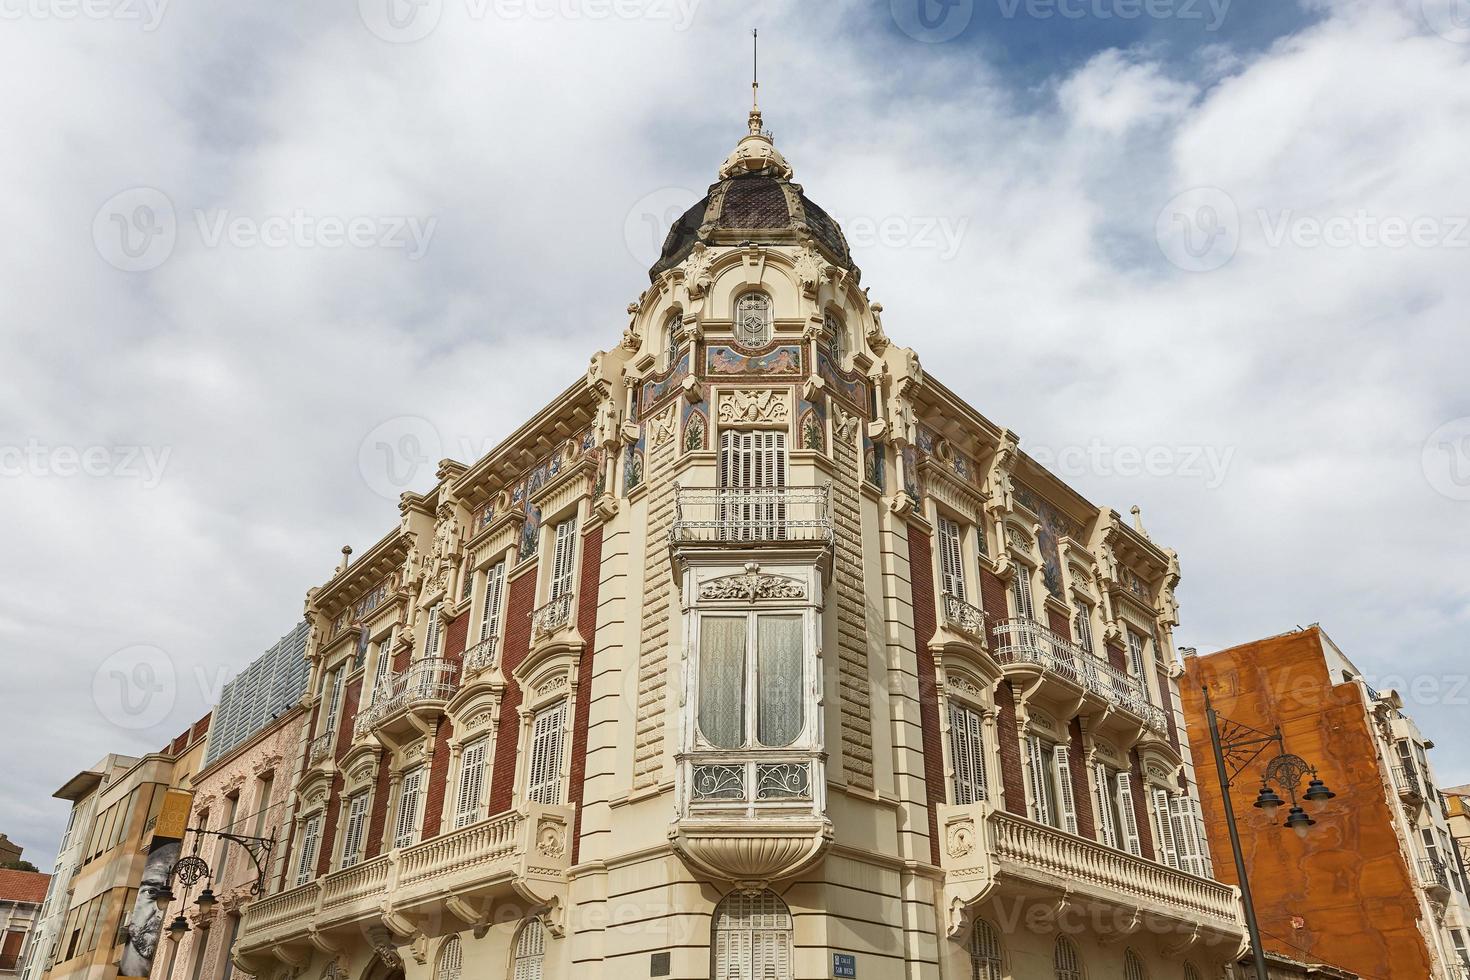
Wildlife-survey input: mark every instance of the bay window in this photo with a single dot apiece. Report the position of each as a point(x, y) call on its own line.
point(755, 659)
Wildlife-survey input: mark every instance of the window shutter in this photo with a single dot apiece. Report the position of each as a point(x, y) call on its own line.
point(494, 589)
point(1202, 840)
point(383, 668)
point(334, 704)
point(1128, 815)
point(1170, 841)
point(1036, 762)
point(352, 837)
point(530, 951)
point(561, 565)
point(471, 783)
point(431, 638)
point(1187, 839)
point(1021, 588)
point(1083, 622)
point(410, 796)
point(544, 783)
point(952, 568)
point(1064, 779)
point(1135, 656)
point(311, 835)
point(1101, 782)
point(967, 752)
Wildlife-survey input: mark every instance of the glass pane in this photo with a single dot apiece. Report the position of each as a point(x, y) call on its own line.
point(778, 679)
point(722, 680)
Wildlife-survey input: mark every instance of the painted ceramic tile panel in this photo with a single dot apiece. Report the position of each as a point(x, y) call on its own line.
point(785, 359)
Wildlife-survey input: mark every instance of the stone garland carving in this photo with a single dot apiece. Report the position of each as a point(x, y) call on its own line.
point(752, 585)
point(764, 406)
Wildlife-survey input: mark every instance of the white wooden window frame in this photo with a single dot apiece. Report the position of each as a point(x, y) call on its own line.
point(1022, 596)
point(1066, 798)
point(1082, 624)
point(1106, 806)
point(1046, 804)
point(383, 665)
point(470, 796)
point(434, 632)
point(408, 816)
point(951, 560)
point(969, 774)
point(1123, 790)
point(354, 828)
point(306, 854)
point(492, 599)
point(546, 756)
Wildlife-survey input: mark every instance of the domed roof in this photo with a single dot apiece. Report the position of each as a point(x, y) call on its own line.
point(755, 200)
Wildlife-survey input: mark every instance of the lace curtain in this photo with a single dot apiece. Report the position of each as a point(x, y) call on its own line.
point(778, 680)
point(722, 680)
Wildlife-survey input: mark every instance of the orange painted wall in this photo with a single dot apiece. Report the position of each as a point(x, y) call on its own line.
point(1343, 895)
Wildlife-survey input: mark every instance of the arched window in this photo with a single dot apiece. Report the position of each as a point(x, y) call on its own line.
point(451, 959)
point(671, 335)
point(530, 951)
point(1133, 967)
point(752, 938)
point(1190, 973)
point(984, 952)
point(836, 334)
point(753, 320)
point(1068, 963)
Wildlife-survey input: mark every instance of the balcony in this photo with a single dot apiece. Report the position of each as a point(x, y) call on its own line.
point(964, 618)
point(319, 749)
point(410, 699)
point(987, 849)
point(1406, 782)
point(752, 517)
point(1435, 877)
point(552, 617)
point(1022, 642)
point(521, 856)
point(483, 656)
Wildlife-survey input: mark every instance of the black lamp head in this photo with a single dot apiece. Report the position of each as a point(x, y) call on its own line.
point(1267, 799)
point(1317, 791)
point(178, 927)
point(1298, 821)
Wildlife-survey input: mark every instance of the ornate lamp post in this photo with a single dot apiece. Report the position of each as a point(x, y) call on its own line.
point(192, 869)
point(1236, 748)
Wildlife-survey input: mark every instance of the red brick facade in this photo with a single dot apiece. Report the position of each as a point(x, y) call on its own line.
point(520, 603)
point(1168, 703)
point(926, 618)
point(1009, 749)
point(588, 584)
point(1140, 805)
point(346, 718)
point(378, 818)
point(1081, 789)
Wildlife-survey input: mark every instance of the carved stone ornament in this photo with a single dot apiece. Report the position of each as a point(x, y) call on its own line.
point(810, 267)
point(844, 423)
point(480, 719)
point(389, 956)
point(961, 838)
point(697, 278)
point(663, 428)
point(551, 838)
point(962, 686)
point(766, 406)
point(1018, 539)
point(752, 585)
point(333, 970)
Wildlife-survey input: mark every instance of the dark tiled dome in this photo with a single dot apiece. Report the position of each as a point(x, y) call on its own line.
point(761, 206)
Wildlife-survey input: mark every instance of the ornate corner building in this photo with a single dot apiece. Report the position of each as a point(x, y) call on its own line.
point(756, 653)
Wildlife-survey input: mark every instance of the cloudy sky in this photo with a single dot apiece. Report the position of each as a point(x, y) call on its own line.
point(1211, 257)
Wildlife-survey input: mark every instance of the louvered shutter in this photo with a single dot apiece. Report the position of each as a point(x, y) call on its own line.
point(1064, 783)
point(431, 638)
point(451, 960)
point(951, 565)
point(544, 783)
point(1186, 836)
point(383, 668)
point(1135, 656)
point(1128, 815)
point(561, 563)
point(967, 752)
point(1083, 621)
point(1021, 589)
point(1202, 840)
point(1101, 787)
point(494, 591)
point(410, 795)
point(471, 783)
point(530, 951)
point(1165, 818)
point(311, 835)
point(1036, 762)
point(356, 825)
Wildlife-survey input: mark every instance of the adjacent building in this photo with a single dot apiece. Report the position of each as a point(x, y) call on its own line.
point(1376, 886)
point(756, 653)
point(22, 893)
point(104, 913)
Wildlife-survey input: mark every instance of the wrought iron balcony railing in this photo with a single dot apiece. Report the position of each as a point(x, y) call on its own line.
point(1433, 874)
point(1024, 641)
point(483, 656)
point(738, 516)
point(961, 616)
point(319, 749)
point(554, 615)
point(1406, 781)
point(429, 680)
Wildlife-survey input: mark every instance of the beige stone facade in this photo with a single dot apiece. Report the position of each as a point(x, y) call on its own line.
point(756, 653)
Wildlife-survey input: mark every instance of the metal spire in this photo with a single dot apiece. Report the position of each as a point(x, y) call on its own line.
point(755, 85)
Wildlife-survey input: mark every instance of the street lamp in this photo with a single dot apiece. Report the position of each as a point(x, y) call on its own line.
point(1242, 745)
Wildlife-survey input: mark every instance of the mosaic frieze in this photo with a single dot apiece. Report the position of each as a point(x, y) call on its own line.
point(872, 462)
point(1054, 526)
point(659, 387)
point(811, 425)
point(727, 361)
point(851, 388)
point(695, 428)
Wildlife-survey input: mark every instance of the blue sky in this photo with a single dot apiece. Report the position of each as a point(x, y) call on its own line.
point(1116, 237)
